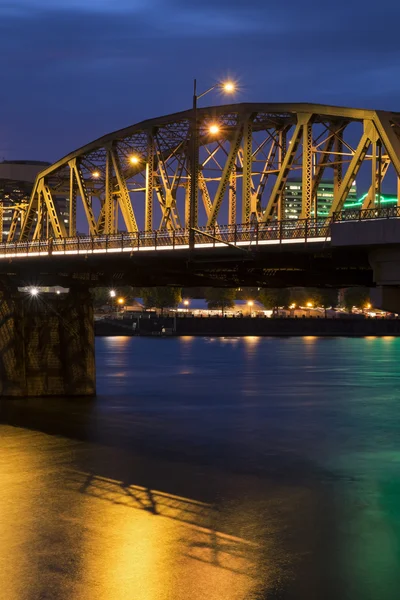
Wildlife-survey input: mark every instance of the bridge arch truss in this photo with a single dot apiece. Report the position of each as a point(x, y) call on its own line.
point(139, 178)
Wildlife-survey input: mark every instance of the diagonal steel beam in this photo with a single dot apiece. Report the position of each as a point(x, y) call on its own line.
point(302, 120)
point(368, 136)
point(369, 200)
point(57, 223)
point(389, 138)
point(84, 197)
point(124, 197)
point(223, 183)
point(31, 213)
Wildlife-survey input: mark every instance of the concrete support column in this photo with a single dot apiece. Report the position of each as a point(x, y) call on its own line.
point(47, 344)
point(386, 297)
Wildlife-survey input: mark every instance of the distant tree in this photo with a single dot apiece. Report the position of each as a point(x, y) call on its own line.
point(299, 296)
point(356, 296)
point(273, 298)
point(101, 295)
point(325, 297)
point(220, 298)
point(247, 293)
point(161, 297)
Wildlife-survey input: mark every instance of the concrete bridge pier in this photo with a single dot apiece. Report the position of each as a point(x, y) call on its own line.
point(385, 263)
point(47, 344)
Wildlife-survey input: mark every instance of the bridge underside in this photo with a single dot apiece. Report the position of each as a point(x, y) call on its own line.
point(288, 265)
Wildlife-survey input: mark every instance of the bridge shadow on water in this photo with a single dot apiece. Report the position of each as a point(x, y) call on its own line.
point(242, 515)
point(204, 543)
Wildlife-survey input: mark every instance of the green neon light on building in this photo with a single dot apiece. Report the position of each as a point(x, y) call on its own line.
point(384, 199)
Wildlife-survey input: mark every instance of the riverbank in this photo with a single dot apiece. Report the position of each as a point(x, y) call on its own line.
point(196, 326)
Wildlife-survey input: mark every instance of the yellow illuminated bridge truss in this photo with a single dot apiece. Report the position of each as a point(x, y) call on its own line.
point(139, 179)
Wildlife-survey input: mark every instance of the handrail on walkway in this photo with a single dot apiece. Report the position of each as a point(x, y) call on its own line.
point(245, 235)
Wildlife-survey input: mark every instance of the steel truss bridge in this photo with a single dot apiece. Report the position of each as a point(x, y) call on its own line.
point(133, 190)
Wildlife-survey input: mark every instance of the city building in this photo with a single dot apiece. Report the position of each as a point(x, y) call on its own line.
point(17, 178)
point(293, 196)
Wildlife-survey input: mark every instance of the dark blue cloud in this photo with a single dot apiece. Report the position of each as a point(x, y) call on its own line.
point(74, 70)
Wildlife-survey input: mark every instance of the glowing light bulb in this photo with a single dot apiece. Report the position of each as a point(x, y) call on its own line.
point(229, 87)
point(213, 129)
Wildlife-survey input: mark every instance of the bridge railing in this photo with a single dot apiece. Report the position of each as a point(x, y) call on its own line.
point(248, 234)
point(387, 212)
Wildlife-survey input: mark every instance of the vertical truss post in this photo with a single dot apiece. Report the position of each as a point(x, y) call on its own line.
point(1, 220)
point(39, 218)
point(398, 191)
point(338, 169)
point(323, 160)
point(374, 162)
point(307, 171)
point(378, 174)
point(247, 166)
point(232, 197)
point(281, 157)
point(72, 203)
point(148, 208)
point(108, 196)
point(188, 195)
point(194, 170)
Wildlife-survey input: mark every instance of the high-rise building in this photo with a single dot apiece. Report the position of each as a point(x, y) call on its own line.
point(293, 196)
point(17, 178)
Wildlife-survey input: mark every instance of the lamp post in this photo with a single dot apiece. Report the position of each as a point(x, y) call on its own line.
point(112, 296)
point(228, 87)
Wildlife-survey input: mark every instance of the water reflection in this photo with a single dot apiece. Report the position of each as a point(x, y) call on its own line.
point(201, 540)
point(212, 469)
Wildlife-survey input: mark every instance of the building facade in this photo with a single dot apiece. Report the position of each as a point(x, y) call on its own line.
point(293, 195)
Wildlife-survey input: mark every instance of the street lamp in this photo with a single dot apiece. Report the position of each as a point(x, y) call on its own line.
point(213, 129)
point(112, 296)
point(34, 291)
point(228, 87)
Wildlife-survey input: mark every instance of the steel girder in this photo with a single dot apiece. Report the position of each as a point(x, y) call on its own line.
point(143, 172)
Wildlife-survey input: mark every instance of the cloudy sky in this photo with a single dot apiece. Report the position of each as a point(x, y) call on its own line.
point(72, 70)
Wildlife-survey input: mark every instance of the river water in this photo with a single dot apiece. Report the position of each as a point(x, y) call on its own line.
point(209, 468)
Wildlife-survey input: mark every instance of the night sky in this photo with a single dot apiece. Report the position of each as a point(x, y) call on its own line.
point(72, 70)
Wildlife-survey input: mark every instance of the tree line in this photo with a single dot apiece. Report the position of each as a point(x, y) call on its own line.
point(162, 298)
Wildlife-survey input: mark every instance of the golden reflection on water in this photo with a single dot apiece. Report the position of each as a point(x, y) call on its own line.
point(167, 540)
point(252, 339)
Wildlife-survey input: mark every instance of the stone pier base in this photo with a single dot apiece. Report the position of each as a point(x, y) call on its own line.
point(47, 344)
